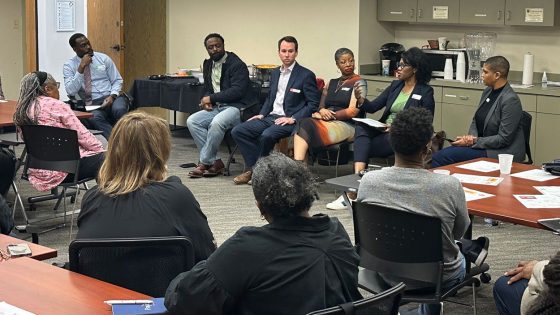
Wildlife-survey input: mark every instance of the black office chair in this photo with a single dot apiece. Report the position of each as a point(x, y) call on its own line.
point(395, 242)
point(54, 149)
point(383, 303)
point(146, 265)
point(246, 112)
point(334, 154)
point(526, 121)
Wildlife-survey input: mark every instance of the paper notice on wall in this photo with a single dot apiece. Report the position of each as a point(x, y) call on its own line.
point(440, 12)
point(534, 15)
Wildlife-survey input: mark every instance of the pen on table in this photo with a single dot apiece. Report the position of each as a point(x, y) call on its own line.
point(111, 302)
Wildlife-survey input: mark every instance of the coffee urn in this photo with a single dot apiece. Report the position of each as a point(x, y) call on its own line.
point(392, 52)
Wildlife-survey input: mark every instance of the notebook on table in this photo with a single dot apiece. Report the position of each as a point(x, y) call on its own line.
point(138, 309)
point(552, 223)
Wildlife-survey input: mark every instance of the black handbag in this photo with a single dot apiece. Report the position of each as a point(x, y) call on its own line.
point(552, 167)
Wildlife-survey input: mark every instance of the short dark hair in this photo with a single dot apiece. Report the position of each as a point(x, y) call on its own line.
point(213, 35)
point(289, 39)
point(74, 38)
point(342, 51)
point(283, 187)
point(411, 130)
point(419, 61)
point(498, 64)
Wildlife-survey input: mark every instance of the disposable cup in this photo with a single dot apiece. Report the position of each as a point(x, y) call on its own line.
point(505, 161)
point(442, 172)
point(385, 66)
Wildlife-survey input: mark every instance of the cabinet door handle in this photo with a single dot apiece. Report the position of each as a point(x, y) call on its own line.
point(396, 12)
point(411, 13)
point(508, 15)
point(379, 90)
point(420, 11)
point(451, 95)
point(464, 98)
point(499, 15)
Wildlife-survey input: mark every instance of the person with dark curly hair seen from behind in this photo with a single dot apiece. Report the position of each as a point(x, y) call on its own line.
point(296, 264)
point(409, 187)
point(533, 287)
point(410, 90)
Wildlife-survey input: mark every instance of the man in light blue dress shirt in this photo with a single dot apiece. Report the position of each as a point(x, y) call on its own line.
point(104, 86)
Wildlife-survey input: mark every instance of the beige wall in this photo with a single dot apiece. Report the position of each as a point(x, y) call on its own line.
point(12, 53)
point(512, 42)
point(372, 33)
point(251, 29)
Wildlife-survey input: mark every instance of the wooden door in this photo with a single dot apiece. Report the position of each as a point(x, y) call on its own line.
point(105, 29)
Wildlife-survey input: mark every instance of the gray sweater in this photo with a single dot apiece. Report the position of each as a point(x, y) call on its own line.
point(421, 191)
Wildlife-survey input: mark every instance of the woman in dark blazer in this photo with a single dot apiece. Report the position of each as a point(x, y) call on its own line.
point(496, 126)
point(410, 90)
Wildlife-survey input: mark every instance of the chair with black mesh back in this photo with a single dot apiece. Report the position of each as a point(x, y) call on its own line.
point(383, 303)
point(54, 149)
point(145, 265)
point(407, 245)
point(526, 121)
point(246, 112)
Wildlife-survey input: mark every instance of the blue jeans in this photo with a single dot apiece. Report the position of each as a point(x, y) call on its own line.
point(508, 296)
point(208, 129)
point(450, 281)
point(451, 155)
point(104, 119)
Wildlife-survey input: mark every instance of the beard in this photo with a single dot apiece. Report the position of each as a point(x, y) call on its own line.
point(217, 56)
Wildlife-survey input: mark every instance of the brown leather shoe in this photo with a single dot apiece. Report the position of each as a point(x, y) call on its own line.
point(244, 178)
point(216, 169)
point(198, 172)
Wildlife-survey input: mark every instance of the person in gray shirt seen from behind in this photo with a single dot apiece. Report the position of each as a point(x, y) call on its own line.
point(408, 186)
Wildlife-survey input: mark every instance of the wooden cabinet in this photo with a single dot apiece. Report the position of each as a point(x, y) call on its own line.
point(547, 129)
point(396, 10)
point(457, 110)
point(529, 104)
point(438, 11)
point(482, 12)
point(471, 12)
point(530, 12)
point(428, 11)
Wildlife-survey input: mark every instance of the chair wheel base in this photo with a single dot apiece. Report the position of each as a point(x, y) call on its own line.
point(485, 277)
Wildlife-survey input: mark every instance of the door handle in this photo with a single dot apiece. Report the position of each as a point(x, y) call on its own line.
point(411, 13)
point(499, 15)
point(117, 47)
point(464, 98)
point(508, 15)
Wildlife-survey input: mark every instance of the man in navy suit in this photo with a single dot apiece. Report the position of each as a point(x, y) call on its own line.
point(293, 95)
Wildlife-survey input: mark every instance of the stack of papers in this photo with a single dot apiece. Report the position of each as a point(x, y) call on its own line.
point(550, 198)
point(371, 122)
point(481, 166)
point(479, 180)
point(471, 194)
point(156, 307)
point(538, 175)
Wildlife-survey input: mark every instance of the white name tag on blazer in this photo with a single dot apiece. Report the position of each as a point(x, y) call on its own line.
point(416, 96)
point(295, 91)
point(345, 89)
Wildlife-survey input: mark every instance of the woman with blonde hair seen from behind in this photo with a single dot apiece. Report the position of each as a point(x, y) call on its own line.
point(39, 104)
point(135, 197)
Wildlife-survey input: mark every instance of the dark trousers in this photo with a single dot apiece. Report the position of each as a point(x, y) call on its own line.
point(451, 155)
point(370, 142)
point(508, 296)
point(257, 137)
point(104, 119)
point(89, 167)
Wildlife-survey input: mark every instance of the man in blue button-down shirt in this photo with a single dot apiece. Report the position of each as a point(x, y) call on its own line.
point(106, 83)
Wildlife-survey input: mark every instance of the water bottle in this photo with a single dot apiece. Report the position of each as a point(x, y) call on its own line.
point(544, 81)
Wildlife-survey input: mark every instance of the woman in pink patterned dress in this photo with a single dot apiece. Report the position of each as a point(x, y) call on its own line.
point(39, 104)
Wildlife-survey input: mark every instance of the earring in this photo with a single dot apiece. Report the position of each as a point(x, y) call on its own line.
point(262, 217)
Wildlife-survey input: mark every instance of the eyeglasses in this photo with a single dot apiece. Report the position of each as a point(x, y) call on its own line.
point(402, 65)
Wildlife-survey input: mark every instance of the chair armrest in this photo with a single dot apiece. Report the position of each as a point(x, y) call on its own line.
point(248, 111)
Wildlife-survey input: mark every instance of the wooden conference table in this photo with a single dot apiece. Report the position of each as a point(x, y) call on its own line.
point(7, 110)
point(44, 289)
point(503, 206)
point(38, 252)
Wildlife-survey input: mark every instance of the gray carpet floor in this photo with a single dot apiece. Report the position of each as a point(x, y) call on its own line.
point(229, 207)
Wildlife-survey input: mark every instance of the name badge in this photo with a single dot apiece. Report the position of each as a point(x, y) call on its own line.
point(416, 97)
point(295, 90)
point(345, 89)
point(101, 67)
